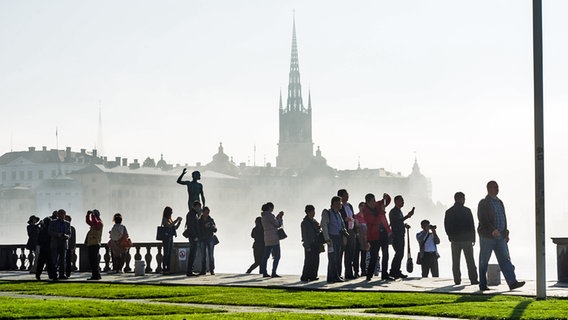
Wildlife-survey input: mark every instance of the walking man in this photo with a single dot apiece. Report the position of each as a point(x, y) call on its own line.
point(460, 229)
point(493, 236)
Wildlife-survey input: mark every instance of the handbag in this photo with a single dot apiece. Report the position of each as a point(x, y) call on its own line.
point(282, 234)
point(125, 242)
point(186, 233)
point(162, 233)
point(215, 240)
point(409, 264)
point(420, 256)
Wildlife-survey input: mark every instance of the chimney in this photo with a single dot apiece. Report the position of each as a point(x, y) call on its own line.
point(125, 162)
point(134, 165)
point(197, 164)
point(31, 149)
point(95, 153)
point(117, 160)
point(83, 151)
point(44, 148)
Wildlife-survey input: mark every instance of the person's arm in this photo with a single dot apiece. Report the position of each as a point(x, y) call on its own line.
point(181, 176)
point(436, 238)
point(305, 235)
point(324, 225)
point(202, 196)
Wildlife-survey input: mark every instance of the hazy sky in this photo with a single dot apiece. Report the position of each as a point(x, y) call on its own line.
point(448, 81)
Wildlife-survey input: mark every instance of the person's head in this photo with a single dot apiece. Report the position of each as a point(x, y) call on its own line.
point(336, 203)
point(258, 221)
point(263, 207)
point(399, 201)
point(492, 188)
point(205, 211)
point(196, 175)
point(459, 197)
point(54, 215)
point(370, 200)
point(343, 194)
point(33, 219)
point(97, 213)
point(310, 211)
point(425, 224)
point(68, 218)
point(61, 214)
point(46, 221)
point(167, 214)
point(196, 205)
point(269, 206)
point(361, 207)
point(117, 218)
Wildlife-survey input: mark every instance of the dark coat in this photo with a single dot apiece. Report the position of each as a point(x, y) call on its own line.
point(192, 223)
point(486, 217)
point(459, 223)
point(310, 233)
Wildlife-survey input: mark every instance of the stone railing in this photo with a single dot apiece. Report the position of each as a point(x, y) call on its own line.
point(17, 257)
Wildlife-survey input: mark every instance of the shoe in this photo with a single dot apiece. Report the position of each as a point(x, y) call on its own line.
point(202, 273)
point(350, 277)
point(484, 289)
point(516, 285)
point(313, 279)
point(304, 279)
point(212, 273)
point(274, 275)
point(340, 279)
point(62, 278)
point(38, 277)
point(265, 275)
point(191, 274)
point(474, 282)
point(457, 283)
point(387, 277)
point(248, 271)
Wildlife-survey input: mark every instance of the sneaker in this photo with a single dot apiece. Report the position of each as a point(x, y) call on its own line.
point(484, 289)
point(265, 275)
point(516, 285)
point(274, 275)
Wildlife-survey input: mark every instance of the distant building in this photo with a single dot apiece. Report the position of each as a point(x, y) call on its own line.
point(38, 182)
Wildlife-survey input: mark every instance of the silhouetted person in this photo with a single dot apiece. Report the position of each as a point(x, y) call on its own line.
point(32, 245)
point(194, 188)
point(207, 229)
point(493, 236)
point(71, 248)
point(192, 224)
point(361, 245)
point(348, 252)
point(119, 252)
point(311, 242)
point(460, 229)
point(44, 256)
point(257, 233)
point(378, 234)
point(398, 231)
point(59, 233)
point(427, 240)
point(168, 241)
point(93, 242)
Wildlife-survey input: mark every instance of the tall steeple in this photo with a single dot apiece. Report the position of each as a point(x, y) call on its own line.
point(295, 147)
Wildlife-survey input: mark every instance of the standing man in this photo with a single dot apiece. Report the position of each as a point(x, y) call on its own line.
point(398, 230)
point(192, 225)
point(59, 232)
point(493, 236)
point(331, 224)
point(349, 221)
point(194, 188)
point(311, 243)
point(460, 229)
point(378, 233)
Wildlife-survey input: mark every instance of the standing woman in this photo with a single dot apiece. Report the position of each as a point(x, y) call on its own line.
point(257, 234)
point(93, 242)
point(33, 244)
point(207, 229)
point(310, 240)
point(271, 224)
point(168, 242)
point(117, 232)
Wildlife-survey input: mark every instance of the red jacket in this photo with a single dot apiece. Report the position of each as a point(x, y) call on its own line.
point(374, 218)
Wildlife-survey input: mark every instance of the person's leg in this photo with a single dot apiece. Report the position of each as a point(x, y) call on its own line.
point(374, 253)
point(211, 255)
point(398, 246)
point(191, 256)
point(504, 260)
point(263, 266)
point(456, 252)
point(306, 267)
point(276, 256)
point(470, 262)
point(434, 268)
point(485, 250)
point(349, 253)
point(385, 260)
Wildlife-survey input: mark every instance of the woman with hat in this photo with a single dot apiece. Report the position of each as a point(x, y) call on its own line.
point(32, 244)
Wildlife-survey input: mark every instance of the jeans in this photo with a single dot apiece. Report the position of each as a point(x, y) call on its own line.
point(499, 245)
point(398, 246)
point(333, 257)
point(430, 263)
point(275, 250)
point(191, 256)
point(58, 262)
point(167, 259)
point(207, 248)
point(467, 247)
point(94, 260)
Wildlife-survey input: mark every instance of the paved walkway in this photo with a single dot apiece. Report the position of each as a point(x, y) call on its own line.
point(438, 285)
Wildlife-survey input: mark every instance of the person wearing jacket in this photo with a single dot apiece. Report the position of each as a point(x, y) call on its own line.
point(311, 242)
point(93, 242)
point(207, 229)
point(168, 242)
point(192, 227)
point(257, 233)
point(378, 233)
point(59, 233)
point(271, 224)
point(460, 228)
point(493, 237)
point(32, 245)
point(332, 225)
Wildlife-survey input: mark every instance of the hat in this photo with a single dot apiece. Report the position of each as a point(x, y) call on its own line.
point(33, 219)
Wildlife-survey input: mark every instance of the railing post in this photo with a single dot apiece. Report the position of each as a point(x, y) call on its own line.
point(148, 258)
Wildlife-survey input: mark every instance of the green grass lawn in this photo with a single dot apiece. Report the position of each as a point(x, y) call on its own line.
point(110, 300)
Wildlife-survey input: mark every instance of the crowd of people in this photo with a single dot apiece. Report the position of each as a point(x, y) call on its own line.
point(351, 239)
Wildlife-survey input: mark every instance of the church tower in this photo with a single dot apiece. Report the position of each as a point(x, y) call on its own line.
point(295, 147)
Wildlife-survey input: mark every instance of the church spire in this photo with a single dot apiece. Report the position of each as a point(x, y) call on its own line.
point(294, 102)
point(280, 100)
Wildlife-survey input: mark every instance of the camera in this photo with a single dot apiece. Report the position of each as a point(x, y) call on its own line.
point(432, 227)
